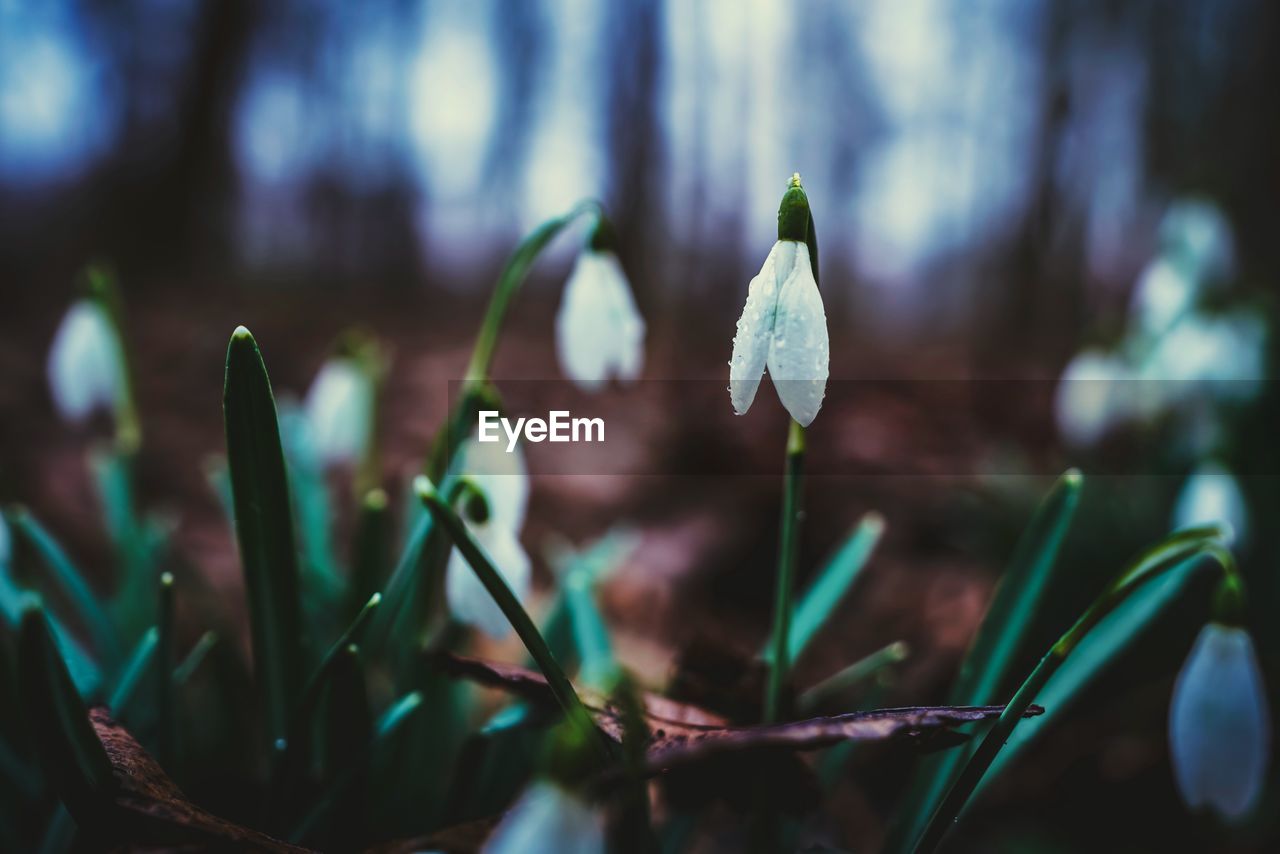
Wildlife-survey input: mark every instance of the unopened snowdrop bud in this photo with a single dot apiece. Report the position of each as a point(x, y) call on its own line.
point(599, 331)
point(86, 362)
point(339, 409)
point(504, 480)
point(784, 325)
point(1219, 723)
point(1212, 494)
point(548, 819)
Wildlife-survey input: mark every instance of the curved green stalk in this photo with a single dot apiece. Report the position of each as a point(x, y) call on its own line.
point(515, 613)
point(780, 664)
point(1172, 552)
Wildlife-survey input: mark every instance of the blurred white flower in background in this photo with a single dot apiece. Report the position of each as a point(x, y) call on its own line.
point(1187, 360)
point(784, 326)
point(504, 479)
point(339, 411)
point(1092, 397)
point(86, 362)
point(1163, 294)
point(1212, 494)
point(548, 819)
point(1219, 724)
point(599, 331)
point(1195, 233)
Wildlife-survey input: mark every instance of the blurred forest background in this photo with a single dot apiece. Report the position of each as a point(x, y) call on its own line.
point(988, 179)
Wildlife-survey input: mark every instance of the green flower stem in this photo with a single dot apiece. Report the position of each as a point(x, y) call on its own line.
point(102, 287)
point(1170, 554)
point(515, 613)
point(509, 282)
point(792, 513)
point(475, 384)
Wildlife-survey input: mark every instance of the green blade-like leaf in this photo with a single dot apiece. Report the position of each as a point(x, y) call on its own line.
point(197, 656)
point(139, 664)
point(1001, 641)
point(68, 749)
point(599, 669)
point(311, 505)
point(1165, 558)
point(1108, 641)
point(264, 530)
point(818, 602)
point(72, 582)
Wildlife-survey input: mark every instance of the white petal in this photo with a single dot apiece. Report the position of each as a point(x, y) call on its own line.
point(1219, 724)
point(503, 476)
point(548, 820)
point(1196, 232)
point(1163, 294)
point(599, 332)
point(755, 328)
point(469, 601)
point(1090, 398)
point(1212, 495)
point(86, 370)
point(339, 408)
point(799, 350)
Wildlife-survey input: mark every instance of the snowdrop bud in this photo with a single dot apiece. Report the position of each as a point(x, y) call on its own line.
point(784, 325)
point(86, 363)
point(1219, 723)
point(548, 819)
point(339, 409)
point(1212, 495)
point(1091, 397)
point(1195, 232)
point(599, 331)
point(504, 480)
point(1165, 292)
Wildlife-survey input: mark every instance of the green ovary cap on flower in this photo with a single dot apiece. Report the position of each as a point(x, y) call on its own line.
point(599, 330)
point(783, 325)
point(86, 363)
point(1219, 724)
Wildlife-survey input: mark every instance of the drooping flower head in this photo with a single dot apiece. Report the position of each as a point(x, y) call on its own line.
point(504, 480)
point(339, 407)
point(1212, 494)
point(86, 362)
point(599, 331)
point(1219, 723)
point(783, 326)
point(548, 819)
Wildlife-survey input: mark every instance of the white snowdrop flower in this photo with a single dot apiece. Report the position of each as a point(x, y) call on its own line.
point(339, 408)
point(1221, 354)
point(784, 325)
point(1164, 293)
point(1091, 397)
point(504, 479)
point(599, 331)
point(1212, 494)
point(1219, 724)
point(547, 819)
point(86, 364)
point(1195, 232)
